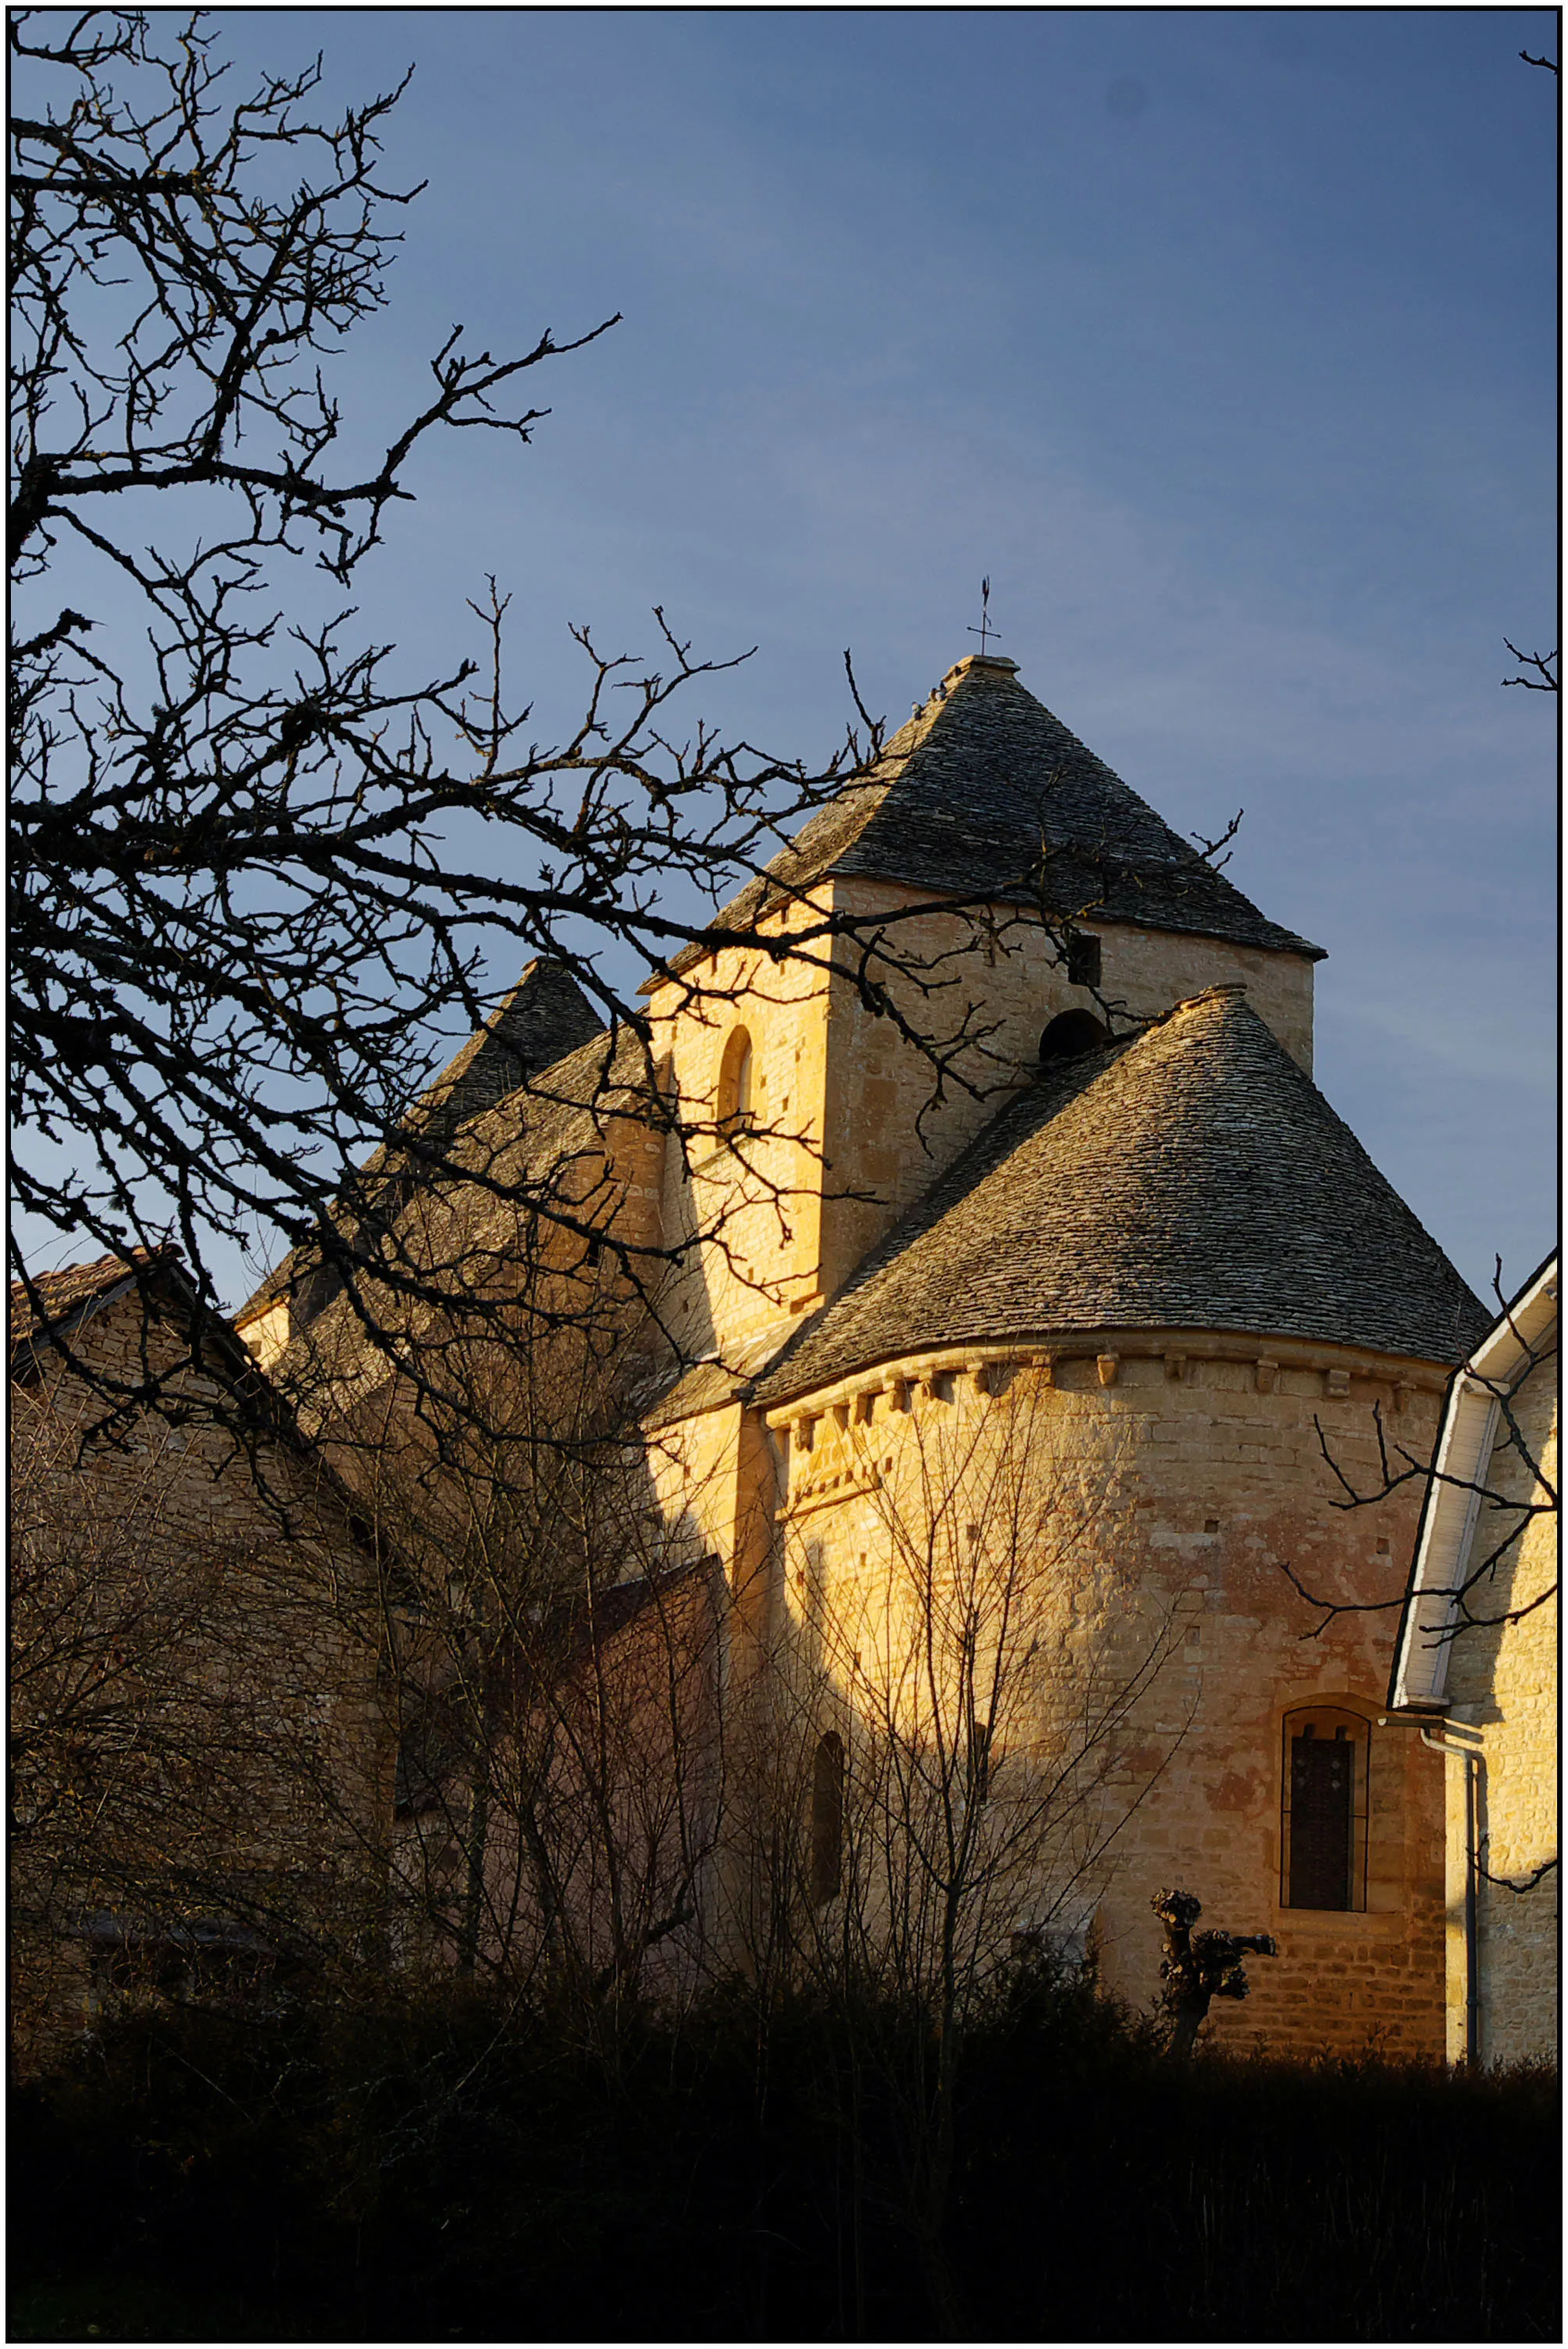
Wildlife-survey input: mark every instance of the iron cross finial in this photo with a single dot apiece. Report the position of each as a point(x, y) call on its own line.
point(985, 630)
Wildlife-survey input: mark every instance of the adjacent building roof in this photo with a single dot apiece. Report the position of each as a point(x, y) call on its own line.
point(1192, 1178)
point(158, 1278)
point(529, 1134)
point(55, 1296)
point(985, 795)
point(1523, 1337)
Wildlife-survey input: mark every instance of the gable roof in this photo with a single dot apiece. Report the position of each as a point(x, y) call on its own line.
point(159, 1279)
point(63, 1296)
point(545, 1020)
point(159, 1282)
point(986, 796)
point(545, 1017)
point(543, 1145)
point(1192, 1178)
point(1523, 1336)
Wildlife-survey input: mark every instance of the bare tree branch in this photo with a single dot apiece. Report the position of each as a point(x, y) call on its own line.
point(1544, 680)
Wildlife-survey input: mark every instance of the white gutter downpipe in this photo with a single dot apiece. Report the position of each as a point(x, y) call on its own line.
point(1471, 1760)
point(1471, 1757)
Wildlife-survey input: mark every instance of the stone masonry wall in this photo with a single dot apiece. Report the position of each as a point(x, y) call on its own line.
point(747, 1203)
point(197, 1695)
point(1502, 1685)
point(1209, 1477)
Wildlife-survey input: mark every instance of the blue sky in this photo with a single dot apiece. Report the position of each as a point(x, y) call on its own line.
point(1223, 342)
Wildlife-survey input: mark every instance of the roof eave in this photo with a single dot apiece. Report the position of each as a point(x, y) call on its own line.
point(1419, 1678)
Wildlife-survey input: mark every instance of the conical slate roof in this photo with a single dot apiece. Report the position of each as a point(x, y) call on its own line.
point(985, 795)
point(1191, 1179)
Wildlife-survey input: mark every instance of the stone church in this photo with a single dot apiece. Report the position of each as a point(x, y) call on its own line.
point(1015, 1386)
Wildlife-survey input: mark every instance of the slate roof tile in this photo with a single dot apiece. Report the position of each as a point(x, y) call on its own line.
point(1190, 1178)
point(530, 1144)
point(75, 1285)
point(985, 795)
point(544, 1020)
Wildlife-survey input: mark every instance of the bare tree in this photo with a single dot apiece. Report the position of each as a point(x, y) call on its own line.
point(256, 860)
point(261, 863)
point(1544, 680)
point(557, 1659)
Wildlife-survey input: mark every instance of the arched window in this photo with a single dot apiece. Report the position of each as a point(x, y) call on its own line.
point(735, 1084)
point(1070, 1033)
point(827, 1817)
point(1323, 1808)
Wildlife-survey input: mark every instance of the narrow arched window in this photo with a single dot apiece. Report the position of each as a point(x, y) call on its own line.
point(735, 1083)
point(1323, 1810)
point(827, 1817)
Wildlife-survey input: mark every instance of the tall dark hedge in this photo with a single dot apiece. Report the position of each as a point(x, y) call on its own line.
point(452, 2170)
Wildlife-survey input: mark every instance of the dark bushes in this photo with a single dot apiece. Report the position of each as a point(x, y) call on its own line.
point(454, 2169)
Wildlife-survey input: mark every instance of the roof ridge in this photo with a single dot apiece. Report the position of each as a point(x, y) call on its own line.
point(501, 1034)
point(68, 1287)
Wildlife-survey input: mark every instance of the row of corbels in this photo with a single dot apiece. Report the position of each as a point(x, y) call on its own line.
point(979, 1377)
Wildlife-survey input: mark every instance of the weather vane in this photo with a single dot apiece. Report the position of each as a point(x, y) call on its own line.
point(984, 629)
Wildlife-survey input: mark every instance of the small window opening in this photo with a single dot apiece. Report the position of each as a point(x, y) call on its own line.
point(1083, 959)
point(428, 1752)
point(1323, 1810)
point(1072, 1033)
point(827, 1817)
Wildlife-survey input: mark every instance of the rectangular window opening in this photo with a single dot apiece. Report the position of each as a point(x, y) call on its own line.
point(1083, 960)
point(1324, 1811)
